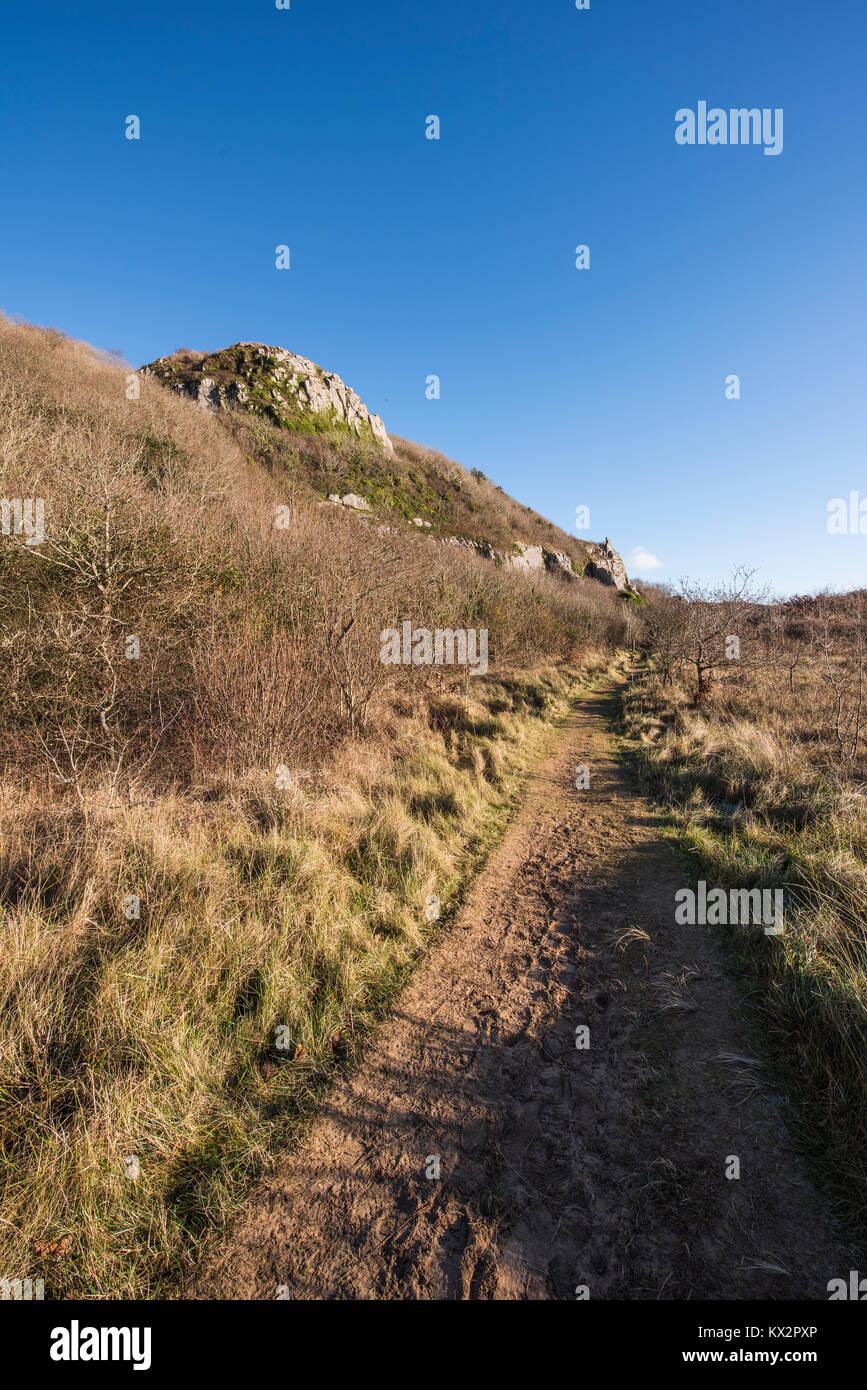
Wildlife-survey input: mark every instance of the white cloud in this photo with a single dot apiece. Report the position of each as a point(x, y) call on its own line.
point(641, 561)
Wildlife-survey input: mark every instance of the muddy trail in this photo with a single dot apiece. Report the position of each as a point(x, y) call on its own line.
point(559, 1167)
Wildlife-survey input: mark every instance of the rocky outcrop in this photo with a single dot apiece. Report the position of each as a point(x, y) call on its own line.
point(607, 566)
point(604, 565)
point(288, 390)
point(351, 500)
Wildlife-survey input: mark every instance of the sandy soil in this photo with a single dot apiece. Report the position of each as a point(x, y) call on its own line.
point(559, 1167)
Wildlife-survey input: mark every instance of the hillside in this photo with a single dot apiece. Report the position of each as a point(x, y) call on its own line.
point(308, 425)
point(228, 828)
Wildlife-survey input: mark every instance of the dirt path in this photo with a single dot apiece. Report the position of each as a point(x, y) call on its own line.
point(559, 1167)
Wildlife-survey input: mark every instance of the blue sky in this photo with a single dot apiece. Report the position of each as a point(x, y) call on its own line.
point(412, 257)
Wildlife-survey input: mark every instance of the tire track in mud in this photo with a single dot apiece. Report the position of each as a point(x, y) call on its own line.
point(559, 1167)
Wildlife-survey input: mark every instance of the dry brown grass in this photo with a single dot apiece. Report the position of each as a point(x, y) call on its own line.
point(760, 797)
point(156, 1035)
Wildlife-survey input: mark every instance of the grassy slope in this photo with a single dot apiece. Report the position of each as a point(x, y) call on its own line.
point(157, 1037)
point(800, 827)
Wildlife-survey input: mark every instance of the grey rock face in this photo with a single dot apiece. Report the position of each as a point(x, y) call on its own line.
point(607, 566)
point(538, 557)
point(527, 557)
point(211, 396)
point(321, 391)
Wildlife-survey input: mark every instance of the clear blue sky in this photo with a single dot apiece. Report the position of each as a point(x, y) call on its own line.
point(412, 257)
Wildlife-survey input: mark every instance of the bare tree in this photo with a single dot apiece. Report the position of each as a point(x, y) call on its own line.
point(842, 649)
point(720, 627)
point(664, 630)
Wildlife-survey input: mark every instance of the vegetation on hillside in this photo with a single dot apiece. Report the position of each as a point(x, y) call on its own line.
point(316, 454)
point(222, 816)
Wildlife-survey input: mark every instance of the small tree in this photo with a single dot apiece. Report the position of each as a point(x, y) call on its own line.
point(664, 629)
point(717, 622)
